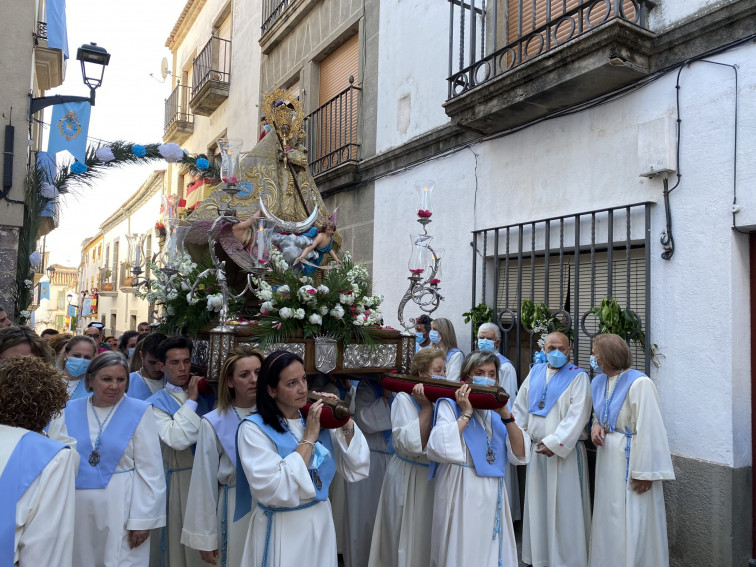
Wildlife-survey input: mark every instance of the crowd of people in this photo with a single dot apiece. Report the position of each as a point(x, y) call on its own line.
point(120, 455)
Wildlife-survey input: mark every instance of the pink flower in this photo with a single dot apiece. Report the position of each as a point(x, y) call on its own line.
point(417, 271)
point(264, 313)
point(312, 291)
point(278, 325)
point(435, 281)
point(367, 311)
point(352, 308)
point(425, 214)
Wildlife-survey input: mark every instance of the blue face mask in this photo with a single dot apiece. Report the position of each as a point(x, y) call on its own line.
point(319, 455)
point(595, 365)
point(267, 127)
point(131, 351)
point(419, 337)
point(76, 367)
point(437, 377)
point(483, 381)
point(485, 345)
point(434, 337)
point(556, 358)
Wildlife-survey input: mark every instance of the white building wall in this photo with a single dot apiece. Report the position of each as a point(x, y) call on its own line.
point(586, 161)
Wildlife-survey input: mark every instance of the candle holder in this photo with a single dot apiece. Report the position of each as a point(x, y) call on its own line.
point(136, 261)
point(173, 250)
point(230, 170)
point(424, 263)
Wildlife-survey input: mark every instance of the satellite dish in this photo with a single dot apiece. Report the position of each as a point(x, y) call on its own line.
point(164, 68)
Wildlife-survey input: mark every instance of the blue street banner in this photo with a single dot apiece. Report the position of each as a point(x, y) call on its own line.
point(46, 164)
point(71, 310)
point(86, 309)
point(44, 290)
point(57, 32)
point(68, 129)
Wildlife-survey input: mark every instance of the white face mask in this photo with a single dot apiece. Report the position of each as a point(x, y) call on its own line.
point(483, 381)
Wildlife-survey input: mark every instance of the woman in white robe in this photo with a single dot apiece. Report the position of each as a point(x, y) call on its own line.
point(120, 488)
point(373, 415)
point(288, 466)
point(629, 520)
point(472, 524)
point(74, 359)
point(402, 533)
point(209, 522)
point(443, 337)
point(36, 473)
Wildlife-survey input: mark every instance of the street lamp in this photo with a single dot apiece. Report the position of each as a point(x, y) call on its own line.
point(93, 60)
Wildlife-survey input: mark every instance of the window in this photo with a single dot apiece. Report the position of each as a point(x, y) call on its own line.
point(332, 128)
point(569, 283)
point(61, 300)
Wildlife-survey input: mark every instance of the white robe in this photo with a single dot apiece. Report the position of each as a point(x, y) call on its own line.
point(45, 511)
point(300, 537)
point(508, 381)
point(557, 512)
point(177, 435)
point(465, 504)
point(134, 499)
point(337, 491)
point(630, 529)
point(212, 498)
point(373, 416)
point(402, 533)
point(454, 366)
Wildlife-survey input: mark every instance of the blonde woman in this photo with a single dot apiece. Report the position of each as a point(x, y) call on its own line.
point(443, 337)
point(402, 532)
point(209, 526)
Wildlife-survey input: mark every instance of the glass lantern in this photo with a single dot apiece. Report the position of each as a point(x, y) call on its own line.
point(173, 250)
point(136, 257)
point(262, 239)
point(230, 152)
point(420, 255)
point(424, 189)
point(169, 208)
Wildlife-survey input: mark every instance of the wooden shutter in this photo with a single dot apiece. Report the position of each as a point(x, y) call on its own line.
point(336, 127)
point(336, 68)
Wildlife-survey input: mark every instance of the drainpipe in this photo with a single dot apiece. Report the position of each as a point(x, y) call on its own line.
point(752, 283)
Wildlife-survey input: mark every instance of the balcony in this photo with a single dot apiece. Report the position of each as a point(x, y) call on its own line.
point(514, 61)
point(179, 121)
point(332, 134)
point(49, 63)
point(212, 76)
point(279, 17)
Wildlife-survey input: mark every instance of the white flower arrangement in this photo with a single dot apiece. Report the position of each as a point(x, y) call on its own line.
point(315, 319)
point(214, 302)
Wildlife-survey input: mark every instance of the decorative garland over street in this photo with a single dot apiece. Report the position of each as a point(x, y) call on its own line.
point(40, 191)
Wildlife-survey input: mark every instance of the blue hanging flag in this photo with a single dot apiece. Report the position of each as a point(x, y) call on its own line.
point(86, 309)
point(44, 290)
point(46, 163)
point(71, 310)
point(57, 33)
point(68, 129)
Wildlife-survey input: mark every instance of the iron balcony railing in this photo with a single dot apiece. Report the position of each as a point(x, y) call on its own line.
point(332, 130)
point(272, 10)
point(42, 30)
point(212, 64)
point(489, 38)
point(177, 107)
point(570, 264)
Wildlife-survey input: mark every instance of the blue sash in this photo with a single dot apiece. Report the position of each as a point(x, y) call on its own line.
point(225, 426)
point(32, 454)
point(556, 387)
point(503, 359)
point(163, 400)
point(476, 440)
point(79, 391)
point(285, 445)
point(598, 389)
point(450, 352)
point(113, 441)
point(138, 389)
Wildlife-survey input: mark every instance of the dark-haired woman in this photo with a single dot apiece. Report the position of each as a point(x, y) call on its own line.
point(209, 521)
point(288, 463)
point(120, 486)
point(127, 343)
point(74, 360)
